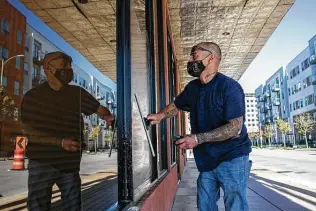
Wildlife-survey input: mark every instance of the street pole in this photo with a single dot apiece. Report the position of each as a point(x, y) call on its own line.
point(3, 63)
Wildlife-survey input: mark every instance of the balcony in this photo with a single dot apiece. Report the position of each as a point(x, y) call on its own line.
point(268, 107)
point(276, 102)
point(267, 94)
point(276, 88)
point(38, 79)
point(38, 57)
point(312, 59)
point(261, 99)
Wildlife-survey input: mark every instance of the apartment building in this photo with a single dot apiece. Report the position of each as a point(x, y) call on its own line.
point(252, 119)
point(272, 103)
point(12, 38)
point(301, 86)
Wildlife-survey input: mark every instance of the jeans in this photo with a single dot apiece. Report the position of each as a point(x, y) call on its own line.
point(41, 179)
point(232, 177)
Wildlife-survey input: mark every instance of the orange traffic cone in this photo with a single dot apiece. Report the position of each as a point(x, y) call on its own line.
point(18, 160)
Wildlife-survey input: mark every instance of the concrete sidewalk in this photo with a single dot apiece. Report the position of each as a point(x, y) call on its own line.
point(266, 191)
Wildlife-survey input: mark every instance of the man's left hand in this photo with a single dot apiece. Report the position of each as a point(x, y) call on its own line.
point(188, 142)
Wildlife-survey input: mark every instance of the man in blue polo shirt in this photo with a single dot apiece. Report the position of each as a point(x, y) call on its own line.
point(219, 137)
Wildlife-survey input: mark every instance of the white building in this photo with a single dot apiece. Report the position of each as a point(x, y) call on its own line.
point(300, 86)
point(252, 120)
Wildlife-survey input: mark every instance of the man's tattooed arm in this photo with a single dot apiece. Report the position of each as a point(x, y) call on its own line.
point(169, 111)
point(223, 133)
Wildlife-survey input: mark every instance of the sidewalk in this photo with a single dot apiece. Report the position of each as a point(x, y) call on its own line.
point(99, 191)
point(266, 191)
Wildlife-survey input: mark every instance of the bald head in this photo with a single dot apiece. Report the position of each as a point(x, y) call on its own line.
point(213, 47)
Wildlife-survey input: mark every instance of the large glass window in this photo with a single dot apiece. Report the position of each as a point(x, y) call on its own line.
point(17, 62)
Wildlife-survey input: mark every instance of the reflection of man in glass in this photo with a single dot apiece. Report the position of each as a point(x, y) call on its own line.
point(219, 137)
point(52, 120)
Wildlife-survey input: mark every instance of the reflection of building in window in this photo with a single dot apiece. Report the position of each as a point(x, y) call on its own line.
point(4, 81)
point(18, 62)
point(5, 26)
point(16, 88)
point(19, 37)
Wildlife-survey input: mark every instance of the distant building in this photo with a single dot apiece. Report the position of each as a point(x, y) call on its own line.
point(252, 119)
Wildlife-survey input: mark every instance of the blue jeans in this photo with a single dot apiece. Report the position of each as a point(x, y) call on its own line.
point(232, 177)
point(41, 179)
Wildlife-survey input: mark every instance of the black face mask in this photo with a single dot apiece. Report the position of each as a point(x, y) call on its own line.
point(195, 68)
point(65, 76)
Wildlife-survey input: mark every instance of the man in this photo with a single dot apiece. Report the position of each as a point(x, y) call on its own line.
point(52, 120)
point(219, 138)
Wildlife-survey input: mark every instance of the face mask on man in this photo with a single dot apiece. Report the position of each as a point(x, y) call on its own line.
point(195, 68)
point(64, 75)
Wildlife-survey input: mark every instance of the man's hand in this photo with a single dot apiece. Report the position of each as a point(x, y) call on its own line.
point(70, 145)
point(188, 142)
point(155, 118)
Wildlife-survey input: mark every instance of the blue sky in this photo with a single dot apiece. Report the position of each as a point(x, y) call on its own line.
point(78, 59)
point(288, 40)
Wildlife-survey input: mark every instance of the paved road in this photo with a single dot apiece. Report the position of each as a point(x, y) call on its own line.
point(298, 165)
point(15, 182)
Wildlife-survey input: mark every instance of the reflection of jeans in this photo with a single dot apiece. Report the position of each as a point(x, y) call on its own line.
point(41, 179)
point(232, 177)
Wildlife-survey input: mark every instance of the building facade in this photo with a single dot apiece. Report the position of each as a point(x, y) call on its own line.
point(289, 92)
point(12, 38)
point(272, 103)
point(252, 119)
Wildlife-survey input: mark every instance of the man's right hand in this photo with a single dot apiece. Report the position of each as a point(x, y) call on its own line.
point(70, 145)
point(155, 118)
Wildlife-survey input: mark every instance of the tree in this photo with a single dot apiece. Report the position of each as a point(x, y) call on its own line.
point(95, 132)
point(304, 124)
point(268, 133)
point(284, 127)
point(254, 135)
point(7, 108)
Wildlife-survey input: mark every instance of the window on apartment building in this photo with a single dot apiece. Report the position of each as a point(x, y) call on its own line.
point(289, 90)
point(75, 79)
point(26, 67)
point(17, 62)
point(36, 71)
point(19, 36)
point(314, 116)
point(301, 102)
point(309, 100)
point(26, 44)
point(299, 86)
point(5, 26)
point(305, 64)
point(248, 110)
point(37, 49)
point(4, 81)
point(16, 88)
point(247, 101)
point(295, 72)
point(5, 53)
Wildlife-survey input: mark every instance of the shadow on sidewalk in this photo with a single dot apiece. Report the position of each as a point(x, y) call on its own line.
point(284, 188)
point(96, 195)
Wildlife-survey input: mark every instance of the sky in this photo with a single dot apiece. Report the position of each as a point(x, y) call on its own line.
point(289, 39)
point(52, 36)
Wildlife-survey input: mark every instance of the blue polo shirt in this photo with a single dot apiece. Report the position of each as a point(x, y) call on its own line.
point(211, 106)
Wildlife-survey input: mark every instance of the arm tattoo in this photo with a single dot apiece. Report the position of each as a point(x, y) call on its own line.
point(223, 133)
point(170, 111)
